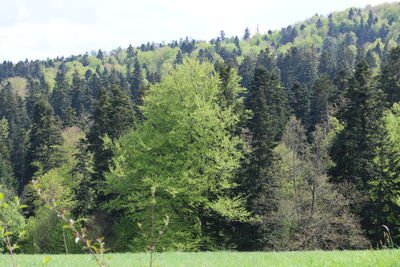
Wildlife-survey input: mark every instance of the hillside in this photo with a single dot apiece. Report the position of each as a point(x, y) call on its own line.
point(374, 29)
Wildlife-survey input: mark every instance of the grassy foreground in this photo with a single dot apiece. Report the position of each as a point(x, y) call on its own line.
point(381, 258)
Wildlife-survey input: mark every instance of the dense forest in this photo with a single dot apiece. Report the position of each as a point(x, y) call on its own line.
point(285, 140)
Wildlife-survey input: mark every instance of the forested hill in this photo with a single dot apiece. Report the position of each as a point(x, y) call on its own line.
point(281, 140)
point(341, 37)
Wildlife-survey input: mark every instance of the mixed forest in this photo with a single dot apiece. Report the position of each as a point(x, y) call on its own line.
point(283, 140)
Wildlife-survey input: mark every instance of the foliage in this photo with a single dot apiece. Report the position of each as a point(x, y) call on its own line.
point(185, 149)
point(307, 202)
point(11, 224)
point(215, 150)
point(44, 137)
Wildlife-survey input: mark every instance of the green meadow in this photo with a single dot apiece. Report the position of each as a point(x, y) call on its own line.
point(370, 258)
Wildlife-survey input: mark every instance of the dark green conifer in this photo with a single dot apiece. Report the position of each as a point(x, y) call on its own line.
point(354, 149)
point(389, 80)
point(268, 101)
point(43, 153)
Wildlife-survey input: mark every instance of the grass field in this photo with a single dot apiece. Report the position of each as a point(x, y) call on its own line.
point(381, 258)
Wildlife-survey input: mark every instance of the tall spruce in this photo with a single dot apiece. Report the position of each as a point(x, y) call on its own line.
point(61, 97)
point(383, 208)
point(267, 100)
point(354, 149)
point(43, 153)
point(389, 80)
point(7, 179)
point(299, 100)
point(136, 81)
point(322, 90)
point(112, 116)
point(246, 70)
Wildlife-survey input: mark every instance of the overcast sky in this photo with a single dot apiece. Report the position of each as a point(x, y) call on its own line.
point(37, 29)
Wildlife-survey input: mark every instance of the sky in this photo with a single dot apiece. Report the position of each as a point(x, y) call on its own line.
point(40, 29)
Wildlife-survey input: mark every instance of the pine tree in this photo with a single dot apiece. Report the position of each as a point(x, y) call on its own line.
point(137, 83)
point(178, 58)
point(100, 55)
point(113, 115)
point(383, 208)
point(130, 52)
point(7, 180)
point(121, 113)
point(247, 34)
point(331, 27)
point(322, 90)
point(13, 108)
point(246, 70)
point(319, 24)
point(346, 59)
point(77, 94)
point(354, 149)
point(44, 138)
point(299, 100)
point(298, 65)
point(268, 101)
point(34, 93)
point(60, 99)
point(266, 59)
point(96, 133)
point(327, 64)
point(389, 80)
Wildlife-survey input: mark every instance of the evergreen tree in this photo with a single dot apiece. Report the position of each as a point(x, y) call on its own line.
point(322, 90)
point(86, 189)
point(121, 113)
point(299, 65)
point(346, 59)
point(97, 131)
point(61, 97)
point(112, 116)
point(299, 100)
point(331, 26)
point(178, 58)
point(100, 55)
point(383, 208)
point(85, 61)
point(13, 108)
point(247, 34)
point(7, 180)
point(44, 138)
point(354, 149)
point(246, 71)
point(34, 93)
point(77, 93)
point(327, 64)
point(266, 59)
point(137, 83)
point(130, 52)
point(319, 23)
point(351, 15)
point(268, 101)
point(341, 82)
point(389, 80)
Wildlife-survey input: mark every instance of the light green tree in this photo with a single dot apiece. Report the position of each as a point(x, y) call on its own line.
point(186, 150)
